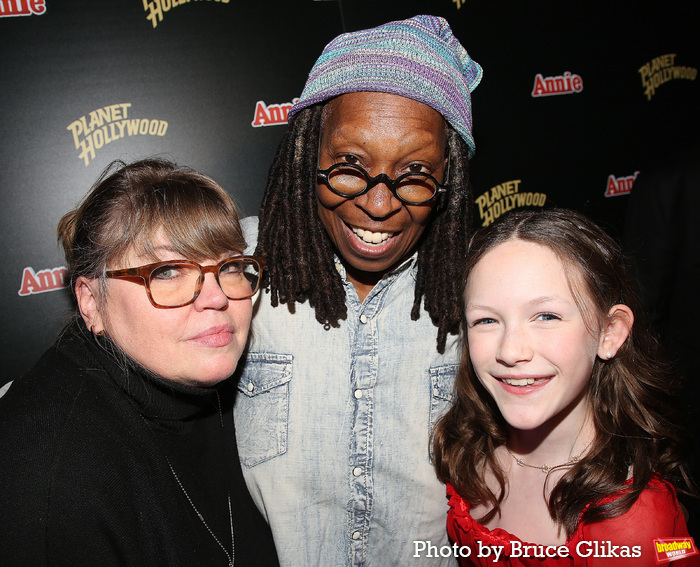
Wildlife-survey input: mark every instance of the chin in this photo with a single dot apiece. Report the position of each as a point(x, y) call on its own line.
point(205, 381)
point(524, 423)
point(210, 376)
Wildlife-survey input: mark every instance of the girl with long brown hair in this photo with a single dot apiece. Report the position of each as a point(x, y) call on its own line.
point(562, 446)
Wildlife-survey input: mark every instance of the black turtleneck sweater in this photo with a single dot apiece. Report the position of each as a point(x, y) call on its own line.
point(86, 448)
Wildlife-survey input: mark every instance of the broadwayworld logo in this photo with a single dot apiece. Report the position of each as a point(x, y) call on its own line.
point(10, 8)
point(668, 549)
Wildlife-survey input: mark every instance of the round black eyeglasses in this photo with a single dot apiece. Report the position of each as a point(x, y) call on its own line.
point(350, 181)
point(176, 283)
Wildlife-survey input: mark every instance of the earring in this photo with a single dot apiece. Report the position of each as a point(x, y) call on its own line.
point(99, 334)
point(608, 355)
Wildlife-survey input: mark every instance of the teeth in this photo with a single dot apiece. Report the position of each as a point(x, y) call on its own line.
point(521, 382)
point(372, 237)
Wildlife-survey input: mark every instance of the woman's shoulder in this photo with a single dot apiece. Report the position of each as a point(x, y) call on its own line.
point(249, 225)
point(654, 514)
point(53, 385)
point(466, 531)
point(58, 409)
point(658, 495)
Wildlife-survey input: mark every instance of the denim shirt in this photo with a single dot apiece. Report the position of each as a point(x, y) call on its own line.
point(333, 427)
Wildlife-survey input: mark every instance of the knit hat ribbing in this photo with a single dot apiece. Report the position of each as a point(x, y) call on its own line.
point(418, 58)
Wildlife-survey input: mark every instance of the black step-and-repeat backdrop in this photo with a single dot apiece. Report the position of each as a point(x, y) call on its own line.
point(576, 100)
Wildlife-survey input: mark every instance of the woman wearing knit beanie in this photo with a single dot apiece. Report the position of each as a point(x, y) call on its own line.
point(364, 225)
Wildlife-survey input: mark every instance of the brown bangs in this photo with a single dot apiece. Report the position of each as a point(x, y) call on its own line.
point(197, 216)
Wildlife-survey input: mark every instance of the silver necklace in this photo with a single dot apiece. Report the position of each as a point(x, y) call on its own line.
point(229, 556)
point(546, 468)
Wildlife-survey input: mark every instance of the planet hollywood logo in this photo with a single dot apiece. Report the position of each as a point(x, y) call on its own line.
point(661, 70)
point(11, 8)
point(505, 197)
point(156, 8)
point(103, 126)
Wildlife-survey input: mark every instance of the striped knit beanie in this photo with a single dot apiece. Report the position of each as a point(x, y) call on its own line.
point(418, 58)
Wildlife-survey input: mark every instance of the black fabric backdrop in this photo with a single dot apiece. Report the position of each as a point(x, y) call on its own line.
point(83, 83)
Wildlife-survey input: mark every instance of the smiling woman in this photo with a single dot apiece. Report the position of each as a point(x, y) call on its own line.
point(118, 446)
point(364, 223)
point(384, 134)
point(563, 432)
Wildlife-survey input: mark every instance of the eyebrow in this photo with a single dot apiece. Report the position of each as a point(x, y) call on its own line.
point(157, 251)
point(534, 302)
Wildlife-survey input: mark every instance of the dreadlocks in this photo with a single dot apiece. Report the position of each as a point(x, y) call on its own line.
point(300, 254)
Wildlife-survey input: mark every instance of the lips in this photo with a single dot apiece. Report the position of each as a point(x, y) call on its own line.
point(218, 336)
point(519, 381)
point(372, 237)
point(369, 243)
point(523, 384)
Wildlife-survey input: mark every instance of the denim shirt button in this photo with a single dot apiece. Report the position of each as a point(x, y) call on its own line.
point(251, 387)
point(357, 471)
point(363, 318)
point(356, 535)
point(357, 394)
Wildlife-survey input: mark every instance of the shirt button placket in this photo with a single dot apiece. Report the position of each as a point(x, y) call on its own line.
point(364, 376)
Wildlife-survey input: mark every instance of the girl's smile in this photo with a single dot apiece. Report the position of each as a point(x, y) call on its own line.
point(529, 344)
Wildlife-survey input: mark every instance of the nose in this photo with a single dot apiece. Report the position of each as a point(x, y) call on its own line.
point(514, 347)
point(379, 202)
point(211, 296)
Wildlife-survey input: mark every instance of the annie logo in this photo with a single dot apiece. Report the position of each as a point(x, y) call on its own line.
point(9, 8)
point(557, 85)
point(272, 114)
point(668, 549)
point(41, 281)
point(105, 125)
point(620, 185)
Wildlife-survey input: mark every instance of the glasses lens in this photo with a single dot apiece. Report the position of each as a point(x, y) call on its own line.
point(173, 284)
point(416, 188)
point(347, 180)
point(239, 278)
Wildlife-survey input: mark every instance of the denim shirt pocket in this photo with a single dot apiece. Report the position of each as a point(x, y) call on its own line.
point(262, 407)
point(442, 380)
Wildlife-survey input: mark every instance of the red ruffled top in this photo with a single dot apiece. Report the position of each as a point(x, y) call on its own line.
point(655, 514)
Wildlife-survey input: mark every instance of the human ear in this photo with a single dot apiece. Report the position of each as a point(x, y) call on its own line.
point(617, 328)
point(86, 293)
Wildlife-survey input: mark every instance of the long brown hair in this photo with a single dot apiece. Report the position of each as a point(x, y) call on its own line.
point(636, 422)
